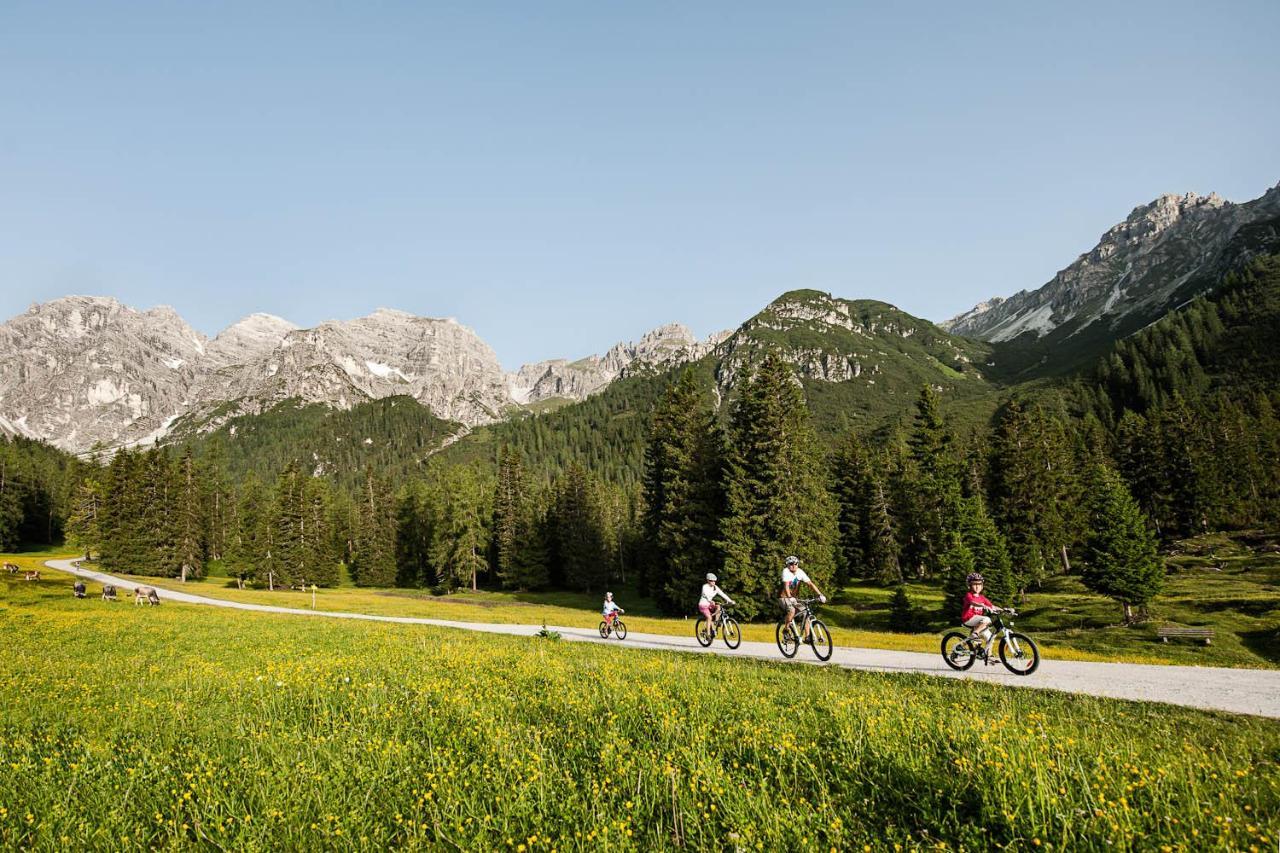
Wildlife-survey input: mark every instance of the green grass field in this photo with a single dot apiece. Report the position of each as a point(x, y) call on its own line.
point(1215, 582)
point(171, 727)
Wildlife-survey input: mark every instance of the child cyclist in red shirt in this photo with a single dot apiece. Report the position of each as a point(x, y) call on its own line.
point(976, 608)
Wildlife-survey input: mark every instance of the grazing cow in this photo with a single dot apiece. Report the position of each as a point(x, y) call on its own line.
point(33, 575)
point(108, 592)
point(11, 568)
point(146, 595)
point(78, 589)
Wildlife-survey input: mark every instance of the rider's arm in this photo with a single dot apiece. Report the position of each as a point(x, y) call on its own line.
point(720, 592)
point(816, 591)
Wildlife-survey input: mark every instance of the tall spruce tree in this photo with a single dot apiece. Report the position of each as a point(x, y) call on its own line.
point(187, 518)
point(852, 487)
point(1121, 560)
point(374, 563)
point(990, 554)
point(881, 547)
point(462, 535)
point(777, 501)
point(684, 494)
point(84, 525)
point(932, 485)
point(958, 563)
point(509, 517)
point(576, 526)
point(249, 545)
point(1035, 492)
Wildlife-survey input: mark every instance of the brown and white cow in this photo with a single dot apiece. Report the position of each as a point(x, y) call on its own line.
point(11, 568)
point(33, 575)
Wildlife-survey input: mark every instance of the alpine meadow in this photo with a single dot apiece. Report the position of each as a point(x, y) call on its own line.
point(822, 574)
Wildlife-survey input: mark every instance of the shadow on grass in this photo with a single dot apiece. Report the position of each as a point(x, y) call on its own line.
point(1264, 643)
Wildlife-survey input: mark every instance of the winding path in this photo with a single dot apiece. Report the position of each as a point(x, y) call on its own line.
point(1240, 691)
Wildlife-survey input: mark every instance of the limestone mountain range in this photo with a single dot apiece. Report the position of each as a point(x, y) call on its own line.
point(86, 372)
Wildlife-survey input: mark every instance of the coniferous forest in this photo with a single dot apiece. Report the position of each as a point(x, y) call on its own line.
point(656, 481)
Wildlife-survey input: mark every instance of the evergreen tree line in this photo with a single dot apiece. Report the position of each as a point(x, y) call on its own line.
point(1016, 503)
point(37, 483)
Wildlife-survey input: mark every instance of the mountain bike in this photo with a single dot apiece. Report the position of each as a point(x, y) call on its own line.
point(811, 630)
point(1017, 651)
point(618, 629)
point(721, 623)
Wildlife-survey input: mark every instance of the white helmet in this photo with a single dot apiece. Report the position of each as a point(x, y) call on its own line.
point(608, 595)
point(793, 560)
point(711, 577)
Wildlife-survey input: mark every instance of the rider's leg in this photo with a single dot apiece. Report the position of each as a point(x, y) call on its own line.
point(979, 626)
point(705, 610)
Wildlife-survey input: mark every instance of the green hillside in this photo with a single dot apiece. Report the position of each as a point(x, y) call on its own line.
point(394, 436)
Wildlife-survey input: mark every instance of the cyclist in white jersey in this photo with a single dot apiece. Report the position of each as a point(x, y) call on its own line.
point(707, 603)
point(792, 577)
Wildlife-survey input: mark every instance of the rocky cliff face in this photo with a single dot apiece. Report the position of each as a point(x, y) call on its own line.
point(440, 363)
point(1135, 273)
point(576, 380)
point(83, 370)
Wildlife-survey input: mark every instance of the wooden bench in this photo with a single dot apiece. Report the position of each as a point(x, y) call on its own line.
point(1205, 634)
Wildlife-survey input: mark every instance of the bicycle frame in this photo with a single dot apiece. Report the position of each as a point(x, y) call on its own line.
point(803, 612)
point(1000, 630)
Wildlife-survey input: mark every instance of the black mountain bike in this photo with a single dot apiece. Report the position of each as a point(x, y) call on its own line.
point(619, 628)
point(804, 628)
point(721, 623)
point(1018, 652)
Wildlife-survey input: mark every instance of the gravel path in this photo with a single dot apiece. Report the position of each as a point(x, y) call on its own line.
point(1240, 691)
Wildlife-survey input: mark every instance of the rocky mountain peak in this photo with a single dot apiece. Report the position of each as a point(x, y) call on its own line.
point(669, 344)
point(247, 339)
point(1126, 275)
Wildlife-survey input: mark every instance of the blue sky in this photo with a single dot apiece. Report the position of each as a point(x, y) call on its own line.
point(560, 176)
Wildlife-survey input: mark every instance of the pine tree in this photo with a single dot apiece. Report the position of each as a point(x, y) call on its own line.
point(462, 536)
point(320, 556)
point(374, 563)
point(248, 550)
point(903, 616)
point(187, 520)
point(510, 509)
point(684, 494)
point(416, 523)
point(931, 486)
point(984, 542)
point(1121, 561)
point(84, 525)
point(1034, 491)
point(576, 527)
point(777, 499)
point(852, 489)
point(958, 563)
point(881, 543)
point(11, 512)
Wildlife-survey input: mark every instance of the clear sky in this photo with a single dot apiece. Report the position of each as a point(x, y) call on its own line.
point(561, 176)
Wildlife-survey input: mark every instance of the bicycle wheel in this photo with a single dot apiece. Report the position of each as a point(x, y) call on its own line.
point(1019, 654)
point(821, 640)
point(956, 650)
point(788, 640)
point(703, 632)
point(620, 629)
point(732, 633)
point(604, 630)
